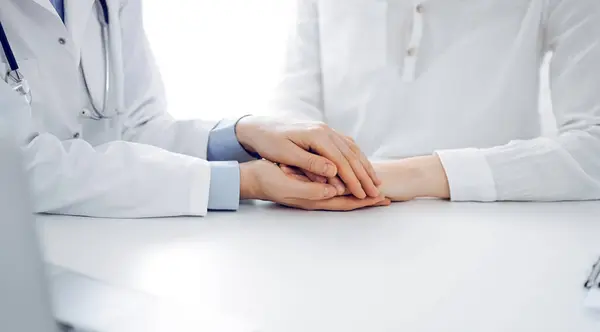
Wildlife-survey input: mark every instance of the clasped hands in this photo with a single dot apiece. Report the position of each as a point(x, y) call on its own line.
point(310, 166)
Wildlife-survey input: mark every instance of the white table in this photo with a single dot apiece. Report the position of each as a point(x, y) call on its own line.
point(420, 266)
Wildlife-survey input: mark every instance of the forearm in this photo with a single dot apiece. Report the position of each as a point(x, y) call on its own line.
point(187, 137)
point(411, 178)
point(114, 180)
point(542, 169)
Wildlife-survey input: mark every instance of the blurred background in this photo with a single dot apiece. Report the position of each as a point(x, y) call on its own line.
point(218, 58)
point(233, 62)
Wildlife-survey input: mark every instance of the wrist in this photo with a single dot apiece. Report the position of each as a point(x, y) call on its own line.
point(244, 129)
point(411, 178)
point(431, 177)
point(249, 188)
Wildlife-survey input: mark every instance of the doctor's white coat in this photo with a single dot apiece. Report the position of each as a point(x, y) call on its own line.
point(142, 163)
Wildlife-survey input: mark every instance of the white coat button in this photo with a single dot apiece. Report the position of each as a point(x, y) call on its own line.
point(420, 9)
point(62, 41)
point(85, 112)
point(411, 51)
point(76, 135)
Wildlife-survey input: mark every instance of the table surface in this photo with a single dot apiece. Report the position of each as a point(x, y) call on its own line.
point(419, 266)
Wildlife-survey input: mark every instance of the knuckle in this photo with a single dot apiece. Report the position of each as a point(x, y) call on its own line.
point(364, 158)
point(319, 127)
point(350, 153)
point(355, 159)
point(322, 125)
point(357, 166)
point(336, 181)
point(351, 148)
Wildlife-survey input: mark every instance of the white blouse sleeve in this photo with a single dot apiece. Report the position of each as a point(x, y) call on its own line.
point(565, 167)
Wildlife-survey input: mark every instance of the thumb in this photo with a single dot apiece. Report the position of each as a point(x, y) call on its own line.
point(312, 191)
point(298, 157)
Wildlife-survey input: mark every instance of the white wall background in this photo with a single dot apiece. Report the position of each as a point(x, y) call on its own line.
point(222, 58)
point(218, 58)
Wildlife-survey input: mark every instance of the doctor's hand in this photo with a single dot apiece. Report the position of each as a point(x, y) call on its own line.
point(264, 180)
point(313, 147)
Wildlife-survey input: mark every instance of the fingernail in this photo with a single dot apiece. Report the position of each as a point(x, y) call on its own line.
point(330, 191)
point(376, 192)
point(328, 169)
point(378, 180)
point(340, 188)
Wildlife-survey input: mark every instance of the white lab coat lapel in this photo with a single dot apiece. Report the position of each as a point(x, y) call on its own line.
point(77, 15)
point(46, 5)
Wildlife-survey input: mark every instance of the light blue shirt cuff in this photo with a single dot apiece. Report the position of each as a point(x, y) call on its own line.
point(224, 191)
point(223, 144)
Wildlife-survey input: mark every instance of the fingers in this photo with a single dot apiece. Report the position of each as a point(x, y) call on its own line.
point(324, 141)
point(314, 177)
point(348, 203)
point(340, 154)
point(310, 195)
point(289, 170)
point(364, 161)
point(334, 155)
point(357, 178)
point(283, 183)
point(300, 178)
point(306, 176)
point(301, 189)
point(339, 203)
point(300, 173)
point(385, 202)
point(339, 185)
point(314, 163)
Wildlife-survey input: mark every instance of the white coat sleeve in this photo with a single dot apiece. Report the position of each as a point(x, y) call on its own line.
point(565, 167)
point(114, 180)
point(147, 120)
point(299, 94)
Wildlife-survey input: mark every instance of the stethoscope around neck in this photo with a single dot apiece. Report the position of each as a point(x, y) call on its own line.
point(19, 83)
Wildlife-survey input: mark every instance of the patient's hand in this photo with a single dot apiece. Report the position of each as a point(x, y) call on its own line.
point(344, 200)
point(401, 180)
